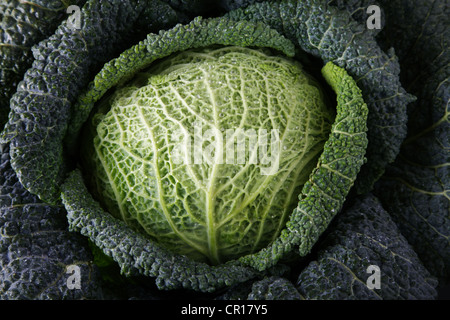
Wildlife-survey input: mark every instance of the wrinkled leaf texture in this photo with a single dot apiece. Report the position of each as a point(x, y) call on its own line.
point(426, 202)
point(36, 247)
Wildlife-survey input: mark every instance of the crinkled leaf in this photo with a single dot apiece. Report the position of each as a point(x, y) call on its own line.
point(198, 33)
point(415, 189)
point(23, 24)
point(37, 251)
point(323, 196)
point(365, 235)
point(64, 62)
point(334, 36)
point(135, 254)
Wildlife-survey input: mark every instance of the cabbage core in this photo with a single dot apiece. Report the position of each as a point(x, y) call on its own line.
point(206, 151)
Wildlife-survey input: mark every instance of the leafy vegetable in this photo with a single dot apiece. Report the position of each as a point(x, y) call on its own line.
point(236, 199)
point(414, 189)
point(325, 192)
point(24, 24)
point(379, 183)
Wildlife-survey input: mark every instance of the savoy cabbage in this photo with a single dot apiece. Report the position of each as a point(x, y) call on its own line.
point(213, 207)
point(90, 182)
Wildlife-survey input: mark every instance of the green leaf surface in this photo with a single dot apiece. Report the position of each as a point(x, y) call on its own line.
point(37, 251)
point(333, 35)
point(274, 288)
point(323, 196)
point(364, 235)
point(63, 64)
point(415, 189)
point(215, 209)
point(198, 33)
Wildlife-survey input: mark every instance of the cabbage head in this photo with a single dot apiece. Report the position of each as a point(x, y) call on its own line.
point(207, 151)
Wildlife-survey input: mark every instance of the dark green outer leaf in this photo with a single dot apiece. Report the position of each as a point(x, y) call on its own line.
point(40, 109)
point(416, 188)
point(358, 10)
point(86, 216)
point(36, 247)
point(332, 35)
point(191, 7)
point(135, 254)
point(365, 235)
point(198, 33)
point(24, 24)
